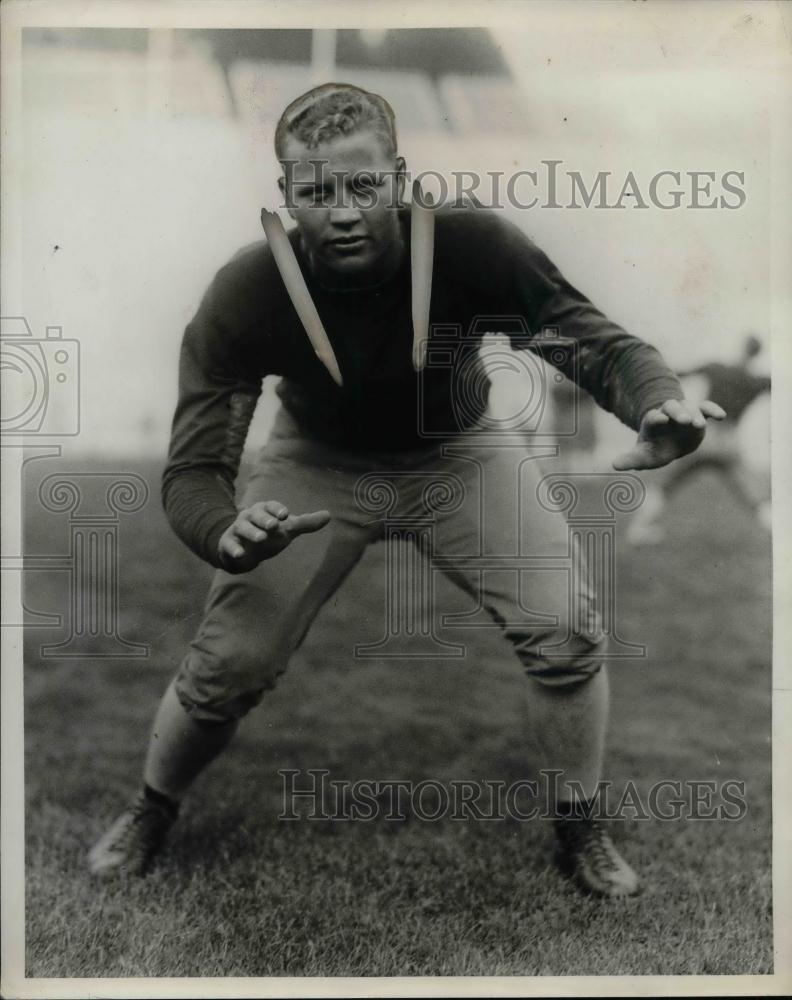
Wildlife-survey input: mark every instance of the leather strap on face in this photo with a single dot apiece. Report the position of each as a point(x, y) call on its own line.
point(421, 266)
point(301, 299)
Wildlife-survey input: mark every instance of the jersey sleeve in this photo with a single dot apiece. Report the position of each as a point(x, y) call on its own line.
point(215, 406)
point(624, 374)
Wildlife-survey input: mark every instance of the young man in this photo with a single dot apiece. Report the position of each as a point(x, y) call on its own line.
point(734, 386)
point(357, 409)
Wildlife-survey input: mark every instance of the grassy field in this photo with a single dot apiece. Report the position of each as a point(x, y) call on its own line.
point(241, 893)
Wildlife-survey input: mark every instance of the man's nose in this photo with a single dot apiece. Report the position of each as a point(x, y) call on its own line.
point(344, 212)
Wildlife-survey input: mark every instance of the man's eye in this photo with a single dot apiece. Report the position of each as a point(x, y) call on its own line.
point(311, 196)
point(367, 182)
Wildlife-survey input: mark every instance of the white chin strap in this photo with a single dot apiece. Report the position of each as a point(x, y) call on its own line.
point(421, 264)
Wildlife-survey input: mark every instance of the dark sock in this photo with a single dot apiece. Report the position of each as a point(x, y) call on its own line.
point(171, 805)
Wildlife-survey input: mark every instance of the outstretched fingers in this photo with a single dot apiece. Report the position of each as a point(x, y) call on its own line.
point(710, 409)
point(276, 508)
point(635, 458)
point(303, 524)
point(250, 530)
point(267, 515)
point(654, 418)
point(684, 412)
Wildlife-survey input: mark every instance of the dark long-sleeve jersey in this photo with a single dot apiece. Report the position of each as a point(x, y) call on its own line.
point(488, 277)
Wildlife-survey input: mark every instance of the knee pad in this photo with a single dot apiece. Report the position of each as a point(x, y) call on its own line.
point(558, 657)
point(223, 688)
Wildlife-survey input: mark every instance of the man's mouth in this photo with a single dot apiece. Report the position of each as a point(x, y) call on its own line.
point(348, 243)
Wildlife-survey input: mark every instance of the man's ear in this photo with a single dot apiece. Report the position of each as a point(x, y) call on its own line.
point(401, 177)
point(284, 190)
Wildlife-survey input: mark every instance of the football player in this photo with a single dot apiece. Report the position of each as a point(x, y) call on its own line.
point(340, 308)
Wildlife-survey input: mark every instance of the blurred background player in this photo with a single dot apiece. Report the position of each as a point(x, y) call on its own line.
point(735, 387)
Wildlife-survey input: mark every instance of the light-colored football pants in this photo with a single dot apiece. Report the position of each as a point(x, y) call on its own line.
point(471, 499)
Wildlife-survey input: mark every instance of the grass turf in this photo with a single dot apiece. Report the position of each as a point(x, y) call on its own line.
point(241, 893)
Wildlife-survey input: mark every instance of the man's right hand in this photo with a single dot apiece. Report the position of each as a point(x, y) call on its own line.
point(261, 532)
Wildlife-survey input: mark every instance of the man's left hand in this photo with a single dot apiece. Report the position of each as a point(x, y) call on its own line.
point(669, 432)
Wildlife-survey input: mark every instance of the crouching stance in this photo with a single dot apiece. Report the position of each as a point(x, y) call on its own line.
point(341, 308)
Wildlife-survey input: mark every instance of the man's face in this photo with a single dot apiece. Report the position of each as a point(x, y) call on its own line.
point(343, 195)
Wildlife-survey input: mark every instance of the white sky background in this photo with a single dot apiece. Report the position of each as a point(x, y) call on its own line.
point(145, 204)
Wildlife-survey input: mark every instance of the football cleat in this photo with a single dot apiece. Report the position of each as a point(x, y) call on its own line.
point(131, 843)
point(586, 854)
